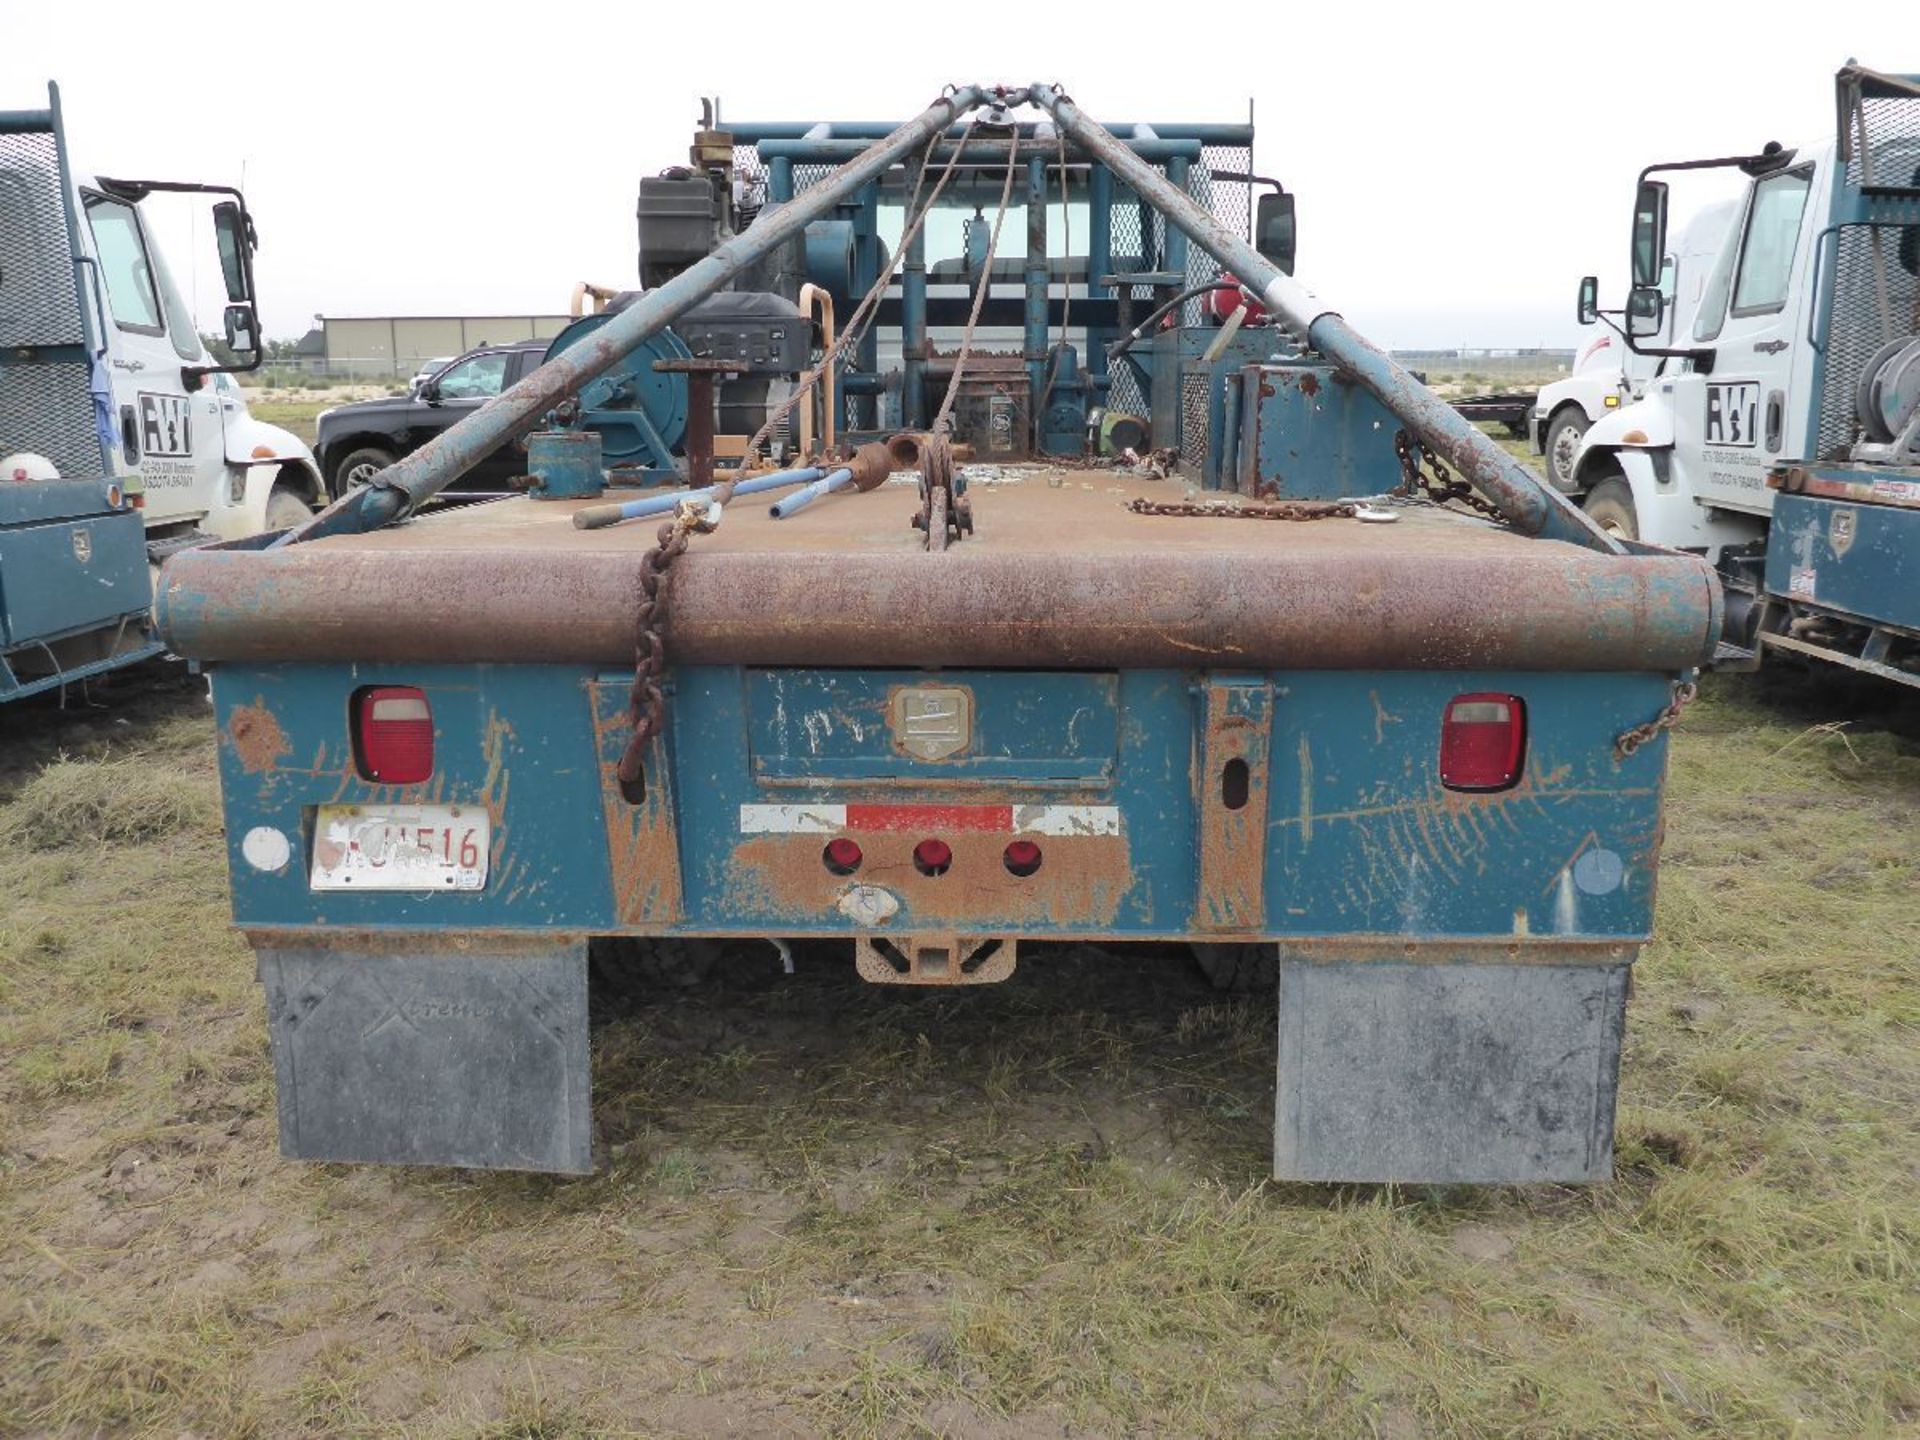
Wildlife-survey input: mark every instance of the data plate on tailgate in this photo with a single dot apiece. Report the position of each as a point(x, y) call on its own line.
point(400, 847)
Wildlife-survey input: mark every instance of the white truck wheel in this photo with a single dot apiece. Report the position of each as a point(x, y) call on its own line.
point(1564, 431)
point(1610, 503)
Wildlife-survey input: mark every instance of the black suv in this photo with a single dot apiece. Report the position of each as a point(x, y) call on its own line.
point(355, 442)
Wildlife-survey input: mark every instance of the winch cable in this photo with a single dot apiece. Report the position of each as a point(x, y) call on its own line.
point(943, 421)
point(863, 314)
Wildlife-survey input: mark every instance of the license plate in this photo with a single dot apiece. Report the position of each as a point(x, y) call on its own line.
point(400, 847)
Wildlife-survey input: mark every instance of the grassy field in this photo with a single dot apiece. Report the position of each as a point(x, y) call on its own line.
point(297, 410)
point(1036, 1210)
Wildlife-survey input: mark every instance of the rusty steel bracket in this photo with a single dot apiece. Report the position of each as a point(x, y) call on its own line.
point(940, 958)
point(945, 513)
point(701, 373)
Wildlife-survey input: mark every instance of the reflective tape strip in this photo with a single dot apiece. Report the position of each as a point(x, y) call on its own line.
point(792, 819)
point(996, 819)
point(1067, 819)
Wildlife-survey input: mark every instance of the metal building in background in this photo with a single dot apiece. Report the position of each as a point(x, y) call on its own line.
point(382, 346)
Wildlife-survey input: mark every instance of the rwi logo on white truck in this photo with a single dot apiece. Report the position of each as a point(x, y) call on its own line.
point(166, 425)
point(1733, 412)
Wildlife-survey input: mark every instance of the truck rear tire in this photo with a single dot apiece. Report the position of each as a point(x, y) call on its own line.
point(1564, 429)
point(358, 467)
point(1610, 503)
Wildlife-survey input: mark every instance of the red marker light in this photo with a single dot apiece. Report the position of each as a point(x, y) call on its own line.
point(1022, 858)
point(933, 857)
point(842, 856)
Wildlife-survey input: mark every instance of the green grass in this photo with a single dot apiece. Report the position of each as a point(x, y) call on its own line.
point(844, 1210)
point(299, 416)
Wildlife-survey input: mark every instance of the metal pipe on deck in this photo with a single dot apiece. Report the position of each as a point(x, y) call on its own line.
point(913, 317)
point(405, 485)
point(598, 517)
point(978, 150)
point(1099, 258)
point(788, 504)
point(1035, 331)
point(760, 132)
point(867, 266)
point(1176, 253)
point(1519, 495)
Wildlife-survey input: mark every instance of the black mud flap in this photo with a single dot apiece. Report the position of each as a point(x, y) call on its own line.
point(1470, 1073)
point(432, 1056)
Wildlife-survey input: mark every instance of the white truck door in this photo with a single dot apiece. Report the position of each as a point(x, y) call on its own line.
point(1732, 425)
point(171, 438)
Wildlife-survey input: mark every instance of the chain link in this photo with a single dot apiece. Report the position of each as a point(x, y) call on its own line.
point(1632, 740)
point(1439, 487)
point(1272, 510)
point(646, 705)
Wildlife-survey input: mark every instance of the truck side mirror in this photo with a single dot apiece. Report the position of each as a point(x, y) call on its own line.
point(234, 236)
point(1273, 229)
point(1587, 308)
point(243, 330)
point(1646, 309)
point(1649, 232)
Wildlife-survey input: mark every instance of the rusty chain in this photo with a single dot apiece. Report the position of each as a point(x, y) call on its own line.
point(646, 705)
point(1439, 487)
point(1271, 510)
point(1630, 741)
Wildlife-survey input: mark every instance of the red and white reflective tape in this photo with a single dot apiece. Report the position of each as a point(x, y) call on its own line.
point(929, 819)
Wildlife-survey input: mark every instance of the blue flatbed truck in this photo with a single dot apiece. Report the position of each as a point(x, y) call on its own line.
point(1403, 733)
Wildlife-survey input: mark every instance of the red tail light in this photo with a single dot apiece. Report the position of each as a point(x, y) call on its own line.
point(842, 856)
point(1022, 858)
point(393, 734)
point(1483, 742)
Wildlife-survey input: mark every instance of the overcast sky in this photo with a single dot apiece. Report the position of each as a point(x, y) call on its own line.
point(1458, 167)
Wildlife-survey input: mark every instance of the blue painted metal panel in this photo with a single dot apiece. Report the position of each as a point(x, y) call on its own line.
point(518, 740)
point(1054, 730)
point(1362, 840)
point(1365, 840)
point(1309, 433)
point(1859, 560)
point(42, 500)
point(70, 575)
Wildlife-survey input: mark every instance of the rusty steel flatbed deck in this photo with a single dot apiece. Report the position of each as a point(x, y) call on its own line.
point(1059, 573)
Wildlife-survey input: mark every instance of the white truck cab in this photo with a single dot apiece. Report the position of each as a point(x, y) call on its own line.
point(185, 444)
point(1780, 436)
point(121, 439)
point(1686, 465)
point(1609, 374)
